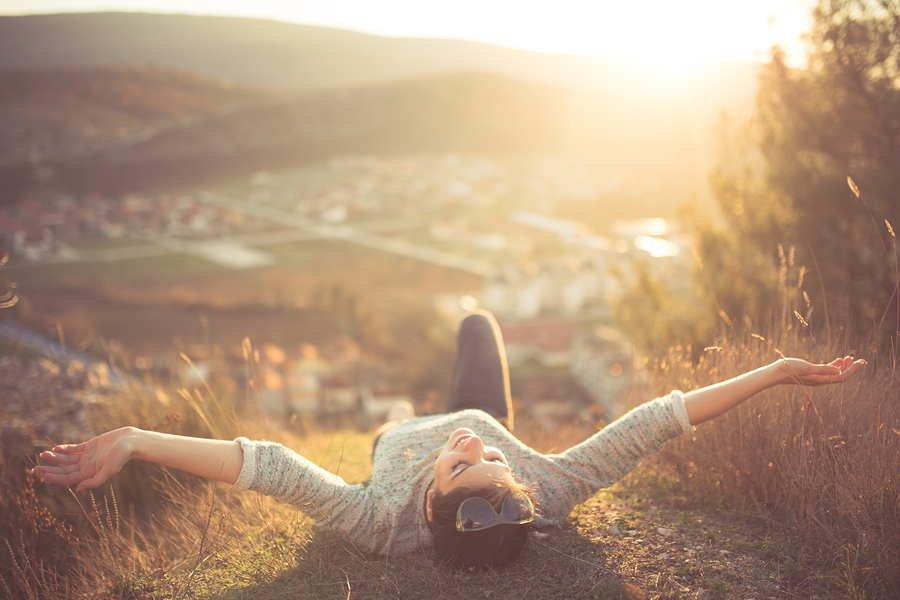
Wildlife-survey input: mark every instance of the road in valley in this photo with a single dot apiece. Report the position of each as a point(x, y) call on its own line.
point(297, 229)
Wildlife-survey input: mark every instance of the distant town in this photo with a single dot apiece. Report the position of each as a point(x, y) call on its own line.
point(541, 274)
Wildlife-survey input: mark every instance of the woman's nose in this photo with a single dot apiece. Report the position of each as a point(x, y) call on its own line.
point(474, 446)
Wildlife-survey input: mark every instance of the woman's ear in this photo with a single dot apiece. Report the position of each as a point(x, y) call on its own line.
point(429, 501)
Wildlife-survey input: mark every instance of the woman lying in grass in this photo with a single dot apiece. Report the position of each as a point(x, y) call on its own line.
point(460, 481)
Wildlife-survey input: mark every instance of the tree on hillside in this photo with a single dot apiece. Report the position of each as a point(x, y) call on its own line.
point(837, 117)
point(655, 319)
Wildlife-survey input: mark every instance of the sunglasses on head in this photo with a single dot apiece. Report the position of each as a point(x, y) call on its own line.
point(475, 514)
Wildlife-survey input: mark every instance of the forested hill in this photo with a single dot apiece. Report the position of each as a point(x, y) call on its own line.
point(119, 128)
point(63, 112)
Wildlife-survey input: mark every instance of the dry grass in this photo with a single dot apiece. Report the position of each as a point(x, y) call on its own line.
point(823, 463)
point(151, 529)
point(821, 467)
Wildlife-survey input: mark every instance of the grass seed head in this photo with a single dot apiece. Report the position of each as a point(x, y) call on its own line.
point(852, 185)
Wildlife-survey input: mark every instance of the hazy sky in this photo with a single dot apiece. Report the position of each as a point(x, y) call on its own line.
point(672, 32)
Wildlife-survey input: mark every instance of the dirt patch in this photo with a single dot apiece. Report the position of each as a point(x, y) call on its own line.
point(676, 550)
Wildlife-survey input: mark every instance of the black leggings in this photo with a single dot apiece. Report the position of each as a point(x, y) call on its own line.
point(481, 375)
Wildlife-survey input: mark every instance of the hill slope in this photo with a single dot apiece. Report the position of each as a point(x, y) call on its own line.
point(261, 52)
point(58, 112)
point(124, 111)
point(120, 128)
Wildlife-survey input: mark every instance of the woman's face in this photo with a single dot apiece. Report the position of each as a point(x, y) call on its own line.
point(465, 460)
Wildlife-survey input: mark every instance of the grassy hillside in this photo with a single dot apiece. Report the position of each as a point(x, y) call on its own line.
point(792, 495)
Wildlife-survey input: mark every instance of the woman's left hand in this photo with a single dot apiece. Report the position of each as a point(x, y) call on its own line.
point(801, 372)
point(709, 402)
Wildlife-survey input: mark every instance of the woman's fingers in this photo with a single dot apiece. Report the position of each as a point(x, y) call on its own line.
point(51, 474)
point(66, 475)
point(61, 478)
point(61, 459)
point(88, 464)
point(58, 470)
point(70, 475)
point(853, 368)
point(70, 448)
point(840, 370)
point(842, 363)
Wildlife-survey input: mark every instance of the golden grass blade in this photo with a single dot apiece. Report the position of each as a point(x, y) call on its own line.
point(852, 185)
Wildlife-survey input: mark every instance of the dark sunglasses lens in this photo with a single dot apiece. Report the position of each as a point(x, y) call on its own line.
point(476, 513)
point(516, 508)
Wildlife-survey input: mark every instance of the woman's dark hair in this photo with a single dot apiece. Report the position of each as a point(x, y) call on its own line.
point(488, 548)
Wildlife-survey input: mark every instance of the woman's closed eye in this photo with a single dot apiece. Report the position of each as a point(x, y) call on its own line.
point(462, 462)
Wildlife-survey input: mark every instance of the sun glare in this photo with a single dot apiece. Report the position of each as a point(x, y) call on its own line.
point(659, 36)
point(669, 64)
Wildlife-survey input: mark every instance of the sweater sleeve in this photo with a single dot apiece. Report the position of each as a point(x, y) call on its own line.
point(274, 470)
point(609, 455)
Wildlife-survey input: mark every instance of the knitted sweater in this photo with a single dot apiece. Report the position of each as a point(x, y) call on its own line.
point(386, 516)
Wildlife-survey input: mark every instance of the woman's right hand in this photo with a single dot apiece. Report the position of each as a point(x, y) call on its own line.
point(89, 464)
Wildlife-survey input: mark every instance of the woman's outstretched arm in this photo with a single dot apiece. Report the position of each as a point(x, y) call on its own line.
point(90, 464)
point(710, 402)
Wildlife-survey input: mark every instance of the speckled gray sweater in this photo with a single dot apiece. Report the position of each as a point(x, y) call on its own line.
point(385, 515)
